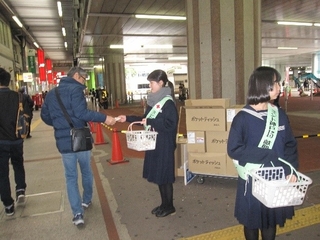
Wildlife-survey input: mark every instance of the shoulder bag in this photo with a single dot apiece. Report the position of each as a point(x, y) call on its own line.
point(81, 138)
point(22, 126)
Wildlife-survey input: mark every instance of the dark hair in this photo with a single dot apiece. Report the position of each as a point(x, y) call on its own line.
point(75, 70)
point(261, 82)
point(158, 75)
point(4, 77)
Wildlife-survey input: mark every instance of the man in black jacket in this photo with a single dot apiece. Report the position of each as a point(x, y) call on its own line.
point(11, 147)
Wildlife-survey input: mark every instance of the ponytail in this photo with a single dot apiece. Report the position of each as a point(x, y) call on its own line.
point(170, 84)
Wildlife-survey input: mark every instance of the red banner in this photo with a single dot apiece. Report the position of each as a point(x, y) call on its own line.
point(41, 65)
point(49, 71)
point(57, 76)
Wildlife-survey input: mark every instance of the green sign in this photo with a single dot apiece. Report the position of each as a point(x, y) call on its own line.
point(32, 64)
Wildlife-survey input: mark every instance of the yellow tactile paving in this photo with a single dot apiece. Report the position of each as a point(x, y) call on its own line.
point(303, 218)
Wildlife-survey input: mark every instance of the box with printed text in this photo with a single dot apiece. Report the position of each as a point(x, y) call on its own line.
point(207, 163)
point(205, 118)
point(216, 141)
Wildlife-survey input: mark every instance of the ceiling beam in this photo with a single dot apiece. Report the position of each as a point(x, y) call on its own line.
point(133, 35)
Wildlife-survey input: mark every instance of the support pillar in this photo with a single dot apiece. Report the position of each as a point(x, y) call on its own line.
point(115, 77)
point(224, 47)
point(316, 64)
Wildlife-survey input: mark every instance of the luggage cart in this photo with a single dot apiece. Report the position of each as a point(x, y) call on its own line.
point(200, 177)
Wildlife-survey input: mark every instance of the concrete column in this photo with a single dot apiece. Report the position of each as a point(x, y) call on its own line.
point(114, 75)
point(316, 64)
point(224, 47)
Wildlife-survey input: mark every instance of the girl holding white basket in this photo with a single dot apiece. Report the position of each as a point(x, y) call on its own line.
point(260, 135)
point(161, 116)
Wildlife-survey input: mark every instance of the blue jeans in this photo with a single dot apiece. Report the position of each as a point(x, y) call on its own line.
point(70, 161)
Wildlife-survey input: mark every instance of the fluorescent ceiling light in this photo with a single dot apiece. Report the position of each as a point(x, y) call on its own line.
point(134, 59)
point(36, 44)
point(156, 46)
point(287, 48)
point(140, 46)
point(160, 17)
point(116, 46)
point(65, 44)
point(295, 23)
point(17, 21)
point(59, 8)
point(316, 24)
point(178, 58)
point(64, 31)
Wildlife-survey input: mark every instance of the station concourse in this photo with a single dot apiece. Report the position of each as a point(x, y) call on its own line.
point(123, 200)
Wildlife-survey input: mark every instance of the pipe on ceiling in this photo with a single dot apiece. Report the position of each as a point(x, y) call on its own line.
point(83, 31)
point(13, 14)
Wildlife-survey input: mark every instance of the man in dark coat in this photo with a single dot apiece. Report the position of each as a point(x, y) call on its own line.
point(11, 147)
point(71, 91)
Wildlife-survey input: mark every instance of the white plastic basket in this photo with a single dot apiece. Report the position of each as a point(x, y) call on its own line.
point(141, 140)
point(269, 186)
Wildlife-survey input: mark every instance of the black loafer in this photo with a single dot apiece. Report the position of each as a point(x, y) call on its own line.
point(166, 212)
point(155, 210)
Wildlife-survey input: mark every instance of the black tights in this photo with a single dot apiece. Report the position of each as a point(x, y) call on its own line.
point(253, 234)
point(166, 192)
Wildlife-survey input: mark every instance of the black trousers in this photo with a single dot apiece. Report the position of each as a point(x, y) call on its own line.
point(29, 126)
point(15, 153)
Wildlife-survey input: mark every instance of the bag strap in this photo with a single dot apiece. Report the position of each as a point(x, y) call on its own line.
point(66, 115)
point(20, 102)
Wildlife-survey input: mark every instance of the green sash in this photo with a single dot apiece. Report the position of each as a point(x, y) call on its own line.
point(267, 140)
point(157, 108)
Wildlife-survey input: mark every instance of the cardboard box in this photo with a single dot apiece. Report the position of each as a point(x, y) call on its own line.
point(205, 118)
point(180, 172)
point(216, 141)
point(214, 102)
point(196, 141)
point(231, 113)
point(180, 156)
point(231, 169)
point(208, 163)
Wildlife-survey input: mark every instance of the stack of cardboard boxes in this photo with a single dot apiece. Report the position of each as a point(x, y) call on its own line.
point(208, 122)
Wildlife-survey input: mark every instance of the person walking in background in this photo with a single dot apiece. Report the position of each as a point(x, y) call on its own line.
point(251, 146)
point(161, 116)
point(70, 90)
point(93, 96)
point(11, 147)
point(182, 92)
point(28, 107)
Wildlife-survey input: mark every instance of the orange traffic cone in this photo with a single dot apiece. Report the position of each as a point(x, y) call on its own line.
point(92, 128)
point(99, 136)
point(117, 156)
